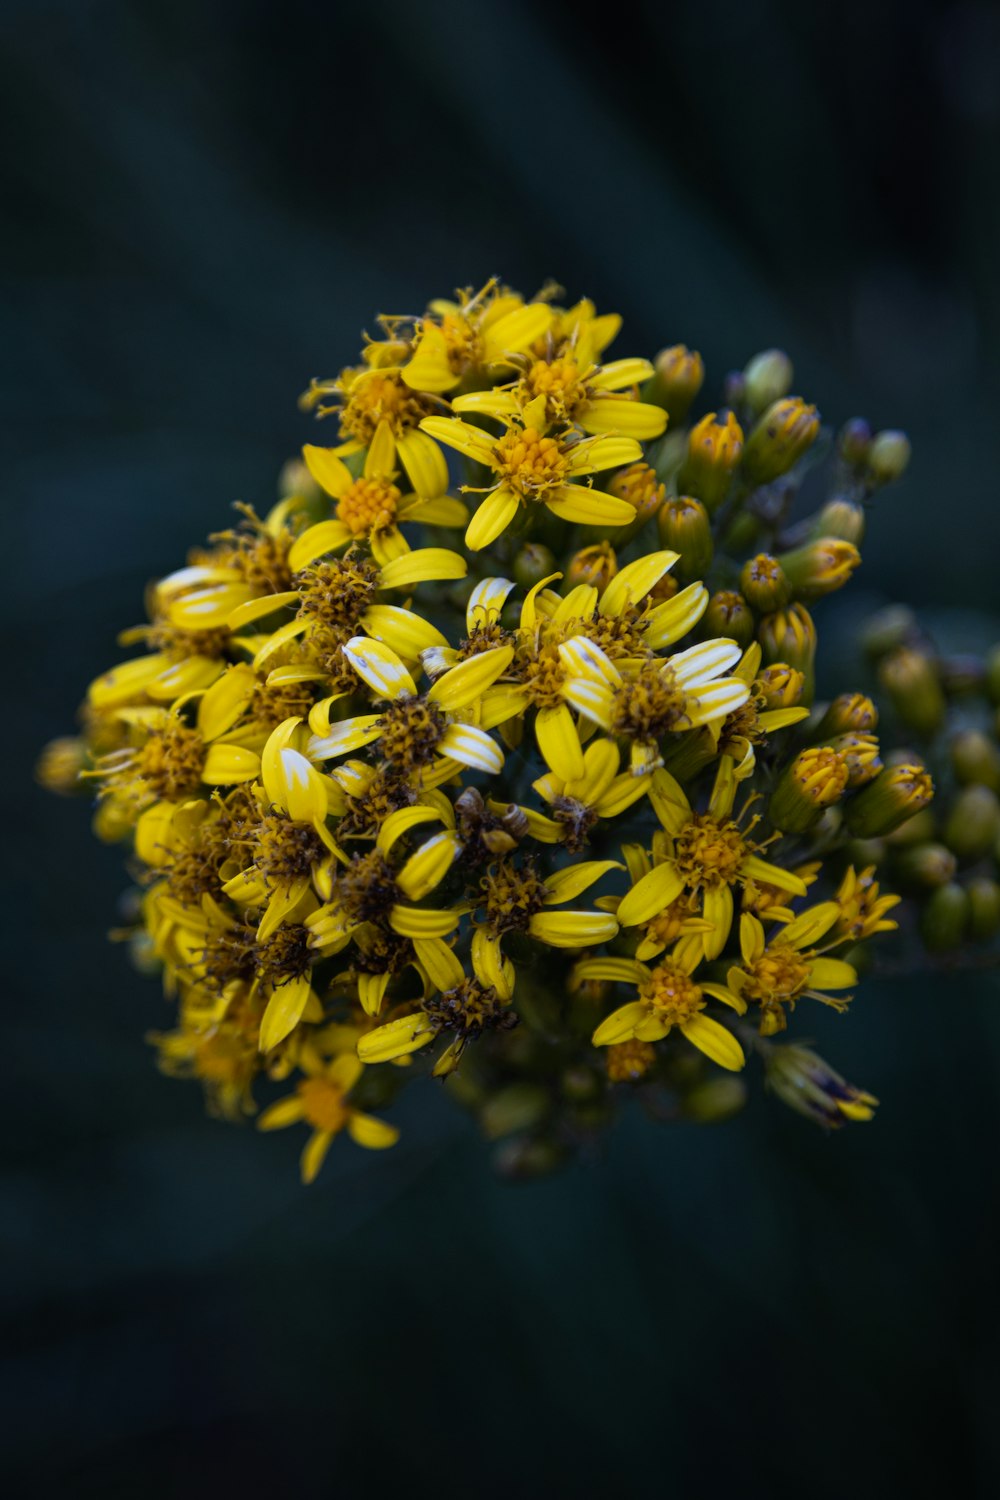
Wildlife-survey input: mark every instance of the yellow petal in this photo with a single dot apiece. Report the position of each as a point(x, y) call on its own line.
point(620, 1025)
point(367, 1131)
point(717, 909)
point(472, 747)
point(566, 884)
point(381, 668)
point(284, 1011)
point(314, 1155)
point(599, 453)
point(371, 992)
point(396, 1038)
point(494, 515)
point(637, 419)
point(464, 683)
point(443, 968)
point(751, 938)
point(650, 895)
point(430, 368)
point(633, 582)
point(575, 502)
point(417, 567)
point(715, 1041)
point(516, 330)
point(559, 742)
point(414, 922)
point(400, 822)
point(317, 541)
point(227, 765)
point(424, 462)
point(281, 1113)
point(470, 441)
point(667, 622)
point(225, 701)
point(402, 630)
point(831, 974)
point(572, 929)
point(428, 866)
point(329, 471)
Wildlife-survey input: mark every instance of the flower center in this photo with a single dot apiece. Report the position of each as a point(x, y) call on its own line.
point(284, 955)
point(544, 675)
point(324, 1104)
point(639, 485)
point(272, 705)
point(560, 381)
point(411, 729)
point(337, 593)
point(709, 853)
point(530, 463)
point(366, 887)
point(284, 851)
point(369, 505)
point(668, 924)
point(649, 705)
point(171, 761)
point(366, 812)
point(781, 973)
point(511, 896)
point(469, 1009)
point(376, 396)
point(462, 341)
point(629, 1061)
point(671, 995)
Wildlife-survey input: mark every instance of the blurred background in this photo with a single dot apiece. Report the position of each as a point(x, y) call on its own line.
point(205, 202)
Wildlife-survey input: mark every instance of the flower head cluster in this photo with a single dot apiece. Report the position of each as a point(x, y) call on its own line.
point(480, 755)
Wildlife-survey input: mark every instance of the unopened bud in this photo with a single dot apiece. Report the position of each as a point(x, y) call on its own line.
point(984, 908)
point(973, 822)
point(784, 433)
point(781, 686)
point(911, 679)
point(853, 442)
point(766, 379)
point(640, 486)
point(295, 479)
point(815, 780)
point(889, 628)
point(923, 867)
point(789, 636)
point(728, 615)
point(944, 919)
point(820, 567)
point(627, 1062)
point(715, 1100)
point(714, 448)
point(764, 584)
point(807, 1084)
point(519, 1106)
point(684, 527)
point(849, 712)
point(680, 373)
point(594, 565)
point(888, 457)
point(916, 830)
point(975, 759)
point(533, 563)
point(861, 754)
point(896, 794)
point(841, 518)
point(59, 765)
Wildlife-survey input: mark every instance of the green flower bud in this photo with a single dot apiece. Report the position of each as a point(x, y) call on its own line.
point(973, 822)
point(595, 565)
point(517, 1107)
point(295, 479)
point(784, 433)
point(984, 908)
point(888, 457)
point(841, 518)
point(975, 759)
point(923, 867)
point(864, 852)
point(781, 686)
point(853, 442)
point(820, 567)
point(815, 780)
point(889, 628)
point(848, 713)
point(807, 1084)
point(728, 615)
point(684, 527)
point(714, 448)
point(764, 584)
point(714, 1100)
point(916, 830)
point(642, 487)
point(944, 920)
point(885, 803)
point(789, 636)
point(861, 754)
point(533, 563)
point(766, 379)
point(680, 374)
point(911, 679)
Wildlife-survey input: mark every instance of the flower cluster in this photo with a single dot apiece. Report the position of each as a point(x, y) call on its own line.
point(490, 752)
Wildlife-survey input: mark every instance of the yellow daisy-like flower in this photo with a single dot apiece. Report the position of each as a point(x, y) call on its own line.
point(579, 330)
point(476, 336)
point(706, 854)
point(775, 975)
point(370, 395)
point(667, 996)
point(372, 508)
point(533, 467)
point(595, 398)
point(862, 908)
point(322, 1100)
point(603, 791)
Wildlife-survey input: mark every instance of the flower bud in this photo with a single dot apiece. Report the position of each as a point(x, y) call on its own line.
point(59, 765)
point(807, 1084)
point(984, 908)
point(916, 830)
point(784, 433)
point(680, 374)
point(972, 826)
point(295, 479)
point(861, 754)
point(841, 518)
point(714, 448)
point(847, 714)
point(888, 457)
point(533, 563)
point(766, 379)
point(780, 686)
point(962, 674)
point(764, 584)
point(910, 678)
point(728, 615)
point(815, 780)
point(789, 636)
point(639, 485)
point(885, 803)
point(714, 1100)
point(944, 920)
point(889, 628)
point(820, 567)
point(923, 867)
point(853, 442)
point(684, 527)
point(734, 388)
point(594, 565)
point(627, 1062)
point(519, 1106)
point(975, 759)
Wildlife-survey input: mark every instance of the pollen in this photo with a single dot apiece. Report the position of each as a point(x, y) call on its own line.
point(370, 505)
point(649, 704)
point(365, 813)
point(323, 1104)
point(709, 853)
point(271, 705)
point(671, 995)
point(377, 396)
point(337, 593)
point(531, 464)
point(171, 761)
point(411, 729)
point(462, 341)
point(668, 924)
point(543, 674)
point(259, 556)
point(284, 851)
point(560, 381)
point(511, 896)
point(181, 644)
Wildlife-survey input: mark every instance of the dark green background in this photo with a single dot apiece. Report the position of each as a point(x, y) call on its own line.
point(204, 203)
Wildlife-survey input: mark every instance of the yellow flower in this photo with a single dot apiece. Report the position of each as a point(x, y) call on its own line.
point(514, 898)
point(533, 468)
point(371, 508)
point(594, 398)
point(666, 996)
point(475, 336)
point(862, 908)
point(370, 395)
point(603, 791)
point(322, 1100)
point(776, 974)
point(748, 726)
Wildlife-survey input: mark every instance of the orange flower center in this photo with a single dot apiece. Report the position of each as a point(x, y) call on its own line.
point(708, 852)
point(324, 1104)
point(530, 463)
point(369, 505)
point(671, 995)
